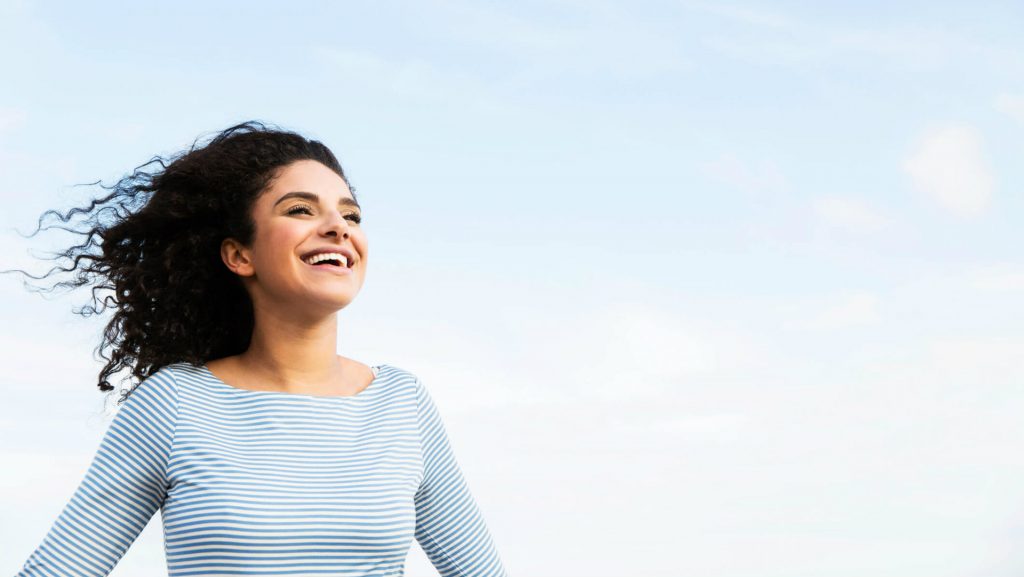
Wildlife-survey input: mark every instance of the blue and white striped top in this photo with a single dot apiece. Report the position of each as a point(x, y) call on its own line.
point(269, 483)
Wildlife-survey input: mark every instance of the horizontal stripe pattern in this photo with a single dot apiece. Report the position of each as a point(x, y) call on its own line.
point(269, 483)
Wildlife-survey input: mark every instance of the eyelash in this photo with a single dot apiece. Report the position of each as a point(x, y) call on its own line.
point(294, 210)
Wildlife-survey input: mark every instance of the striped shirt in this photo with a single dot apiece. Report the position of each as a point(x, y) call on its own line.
point(269, 483)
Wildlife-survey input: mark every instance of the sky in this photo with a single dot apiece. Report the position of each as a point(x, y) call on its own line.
point(700, 288)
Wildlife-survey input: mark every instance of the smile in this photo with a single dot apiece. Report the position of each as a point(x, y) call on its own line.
point(329, 268)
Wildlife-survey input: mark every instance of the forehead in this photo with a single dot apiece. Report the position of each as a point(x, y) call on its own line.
point(308, 175)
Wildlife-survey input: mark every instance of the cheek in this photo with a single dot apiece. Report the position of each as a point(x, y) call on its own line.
point(361, 243)
point(285, 238)
point(279, 250)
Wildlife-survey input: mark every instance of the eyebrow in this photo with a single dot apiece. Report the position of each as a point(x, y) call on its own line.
point(313, 197)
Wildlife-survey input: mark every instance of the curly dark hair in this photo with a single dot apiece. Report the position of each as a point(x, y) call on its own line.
point(175, 299)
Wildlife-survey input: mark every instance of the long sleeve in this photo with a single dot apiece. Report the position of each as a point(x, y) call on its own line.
point(122, 489)
point(449, 526)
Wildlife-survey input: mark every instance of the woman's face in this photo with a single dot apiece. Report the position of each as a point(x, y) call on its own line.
point(306, 208)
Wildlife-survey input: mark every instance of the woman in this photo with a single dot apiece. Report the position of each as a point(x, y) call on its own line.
point(266, 452)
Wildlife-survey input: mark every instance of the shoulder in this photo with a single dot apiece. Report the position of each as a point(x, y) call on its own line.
point(400, 378)
point(163, 378)
point(172, 373)
point(394, 373)
point(155, 395)
point(167, 380)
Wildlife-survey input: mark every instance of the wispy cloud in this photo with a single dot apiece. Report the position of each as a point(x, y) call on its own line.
point(913, 45)
point(751, 176)
point(781, 38)
point(744, 14)
point(998, 278)
point(849, 310)
point(990, 360)
point(408, 78)
point(693, 426)
point(849, 213)
point(568, 39)
point(11, 118)
point(949, 165)
point(1011, 105)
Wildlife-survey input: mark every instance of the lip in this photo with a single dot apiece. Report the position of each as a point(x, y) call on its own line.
point(348, 254)
point(328, 268)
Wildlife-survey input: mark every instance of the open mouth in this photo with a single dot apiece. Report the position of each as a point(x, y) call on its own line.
point(338, 259)
point(328, 262)
point(330, 265)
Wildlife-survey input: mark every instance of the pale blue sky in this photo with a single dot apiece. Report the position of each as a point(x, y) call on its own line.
point(701, 288)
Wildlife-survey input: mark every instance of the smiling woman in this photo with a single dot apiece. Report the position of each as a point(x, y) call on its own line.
point(265, 451)
point(293, 225)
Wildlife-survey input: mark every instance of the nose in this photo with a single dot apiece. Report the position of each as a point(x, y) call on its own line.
point(336, 224)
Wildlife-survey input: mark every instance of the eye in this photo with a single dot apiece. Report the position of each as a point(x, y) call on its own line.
point(300, 207)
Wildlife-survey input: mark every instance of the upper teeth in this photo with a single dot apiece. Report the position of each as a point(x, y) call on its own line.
point(328, 256)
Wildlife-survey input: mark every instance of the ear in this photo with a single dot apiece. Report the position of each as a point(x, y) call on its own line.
point(236, 257)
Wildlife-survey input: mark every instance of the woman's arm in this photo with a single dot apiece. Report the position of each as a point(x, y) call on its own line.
point(122, 489)
point(449, 526)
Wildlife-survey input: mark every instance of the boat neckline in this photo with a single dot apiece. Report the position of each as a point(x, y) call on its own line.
point(376, 377)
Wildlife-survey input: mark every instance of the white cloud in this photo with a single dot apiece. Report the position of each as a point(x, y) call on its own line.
point(747, 15)
point(11, 118)
point(854, 309)
point(950, 166)
point(763, 175)
point(590, 38)
point(912, 45)
point(24, 355)
point(693, 426)
point(1010, 105)
point(412, 77)
point(777, 38)
point(999, 278)
point(636, 351)
point(968, 359)
point(849, 213)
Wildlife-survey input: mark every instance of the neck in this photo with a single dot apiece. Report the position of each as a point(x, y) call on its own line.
point(293, 352)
